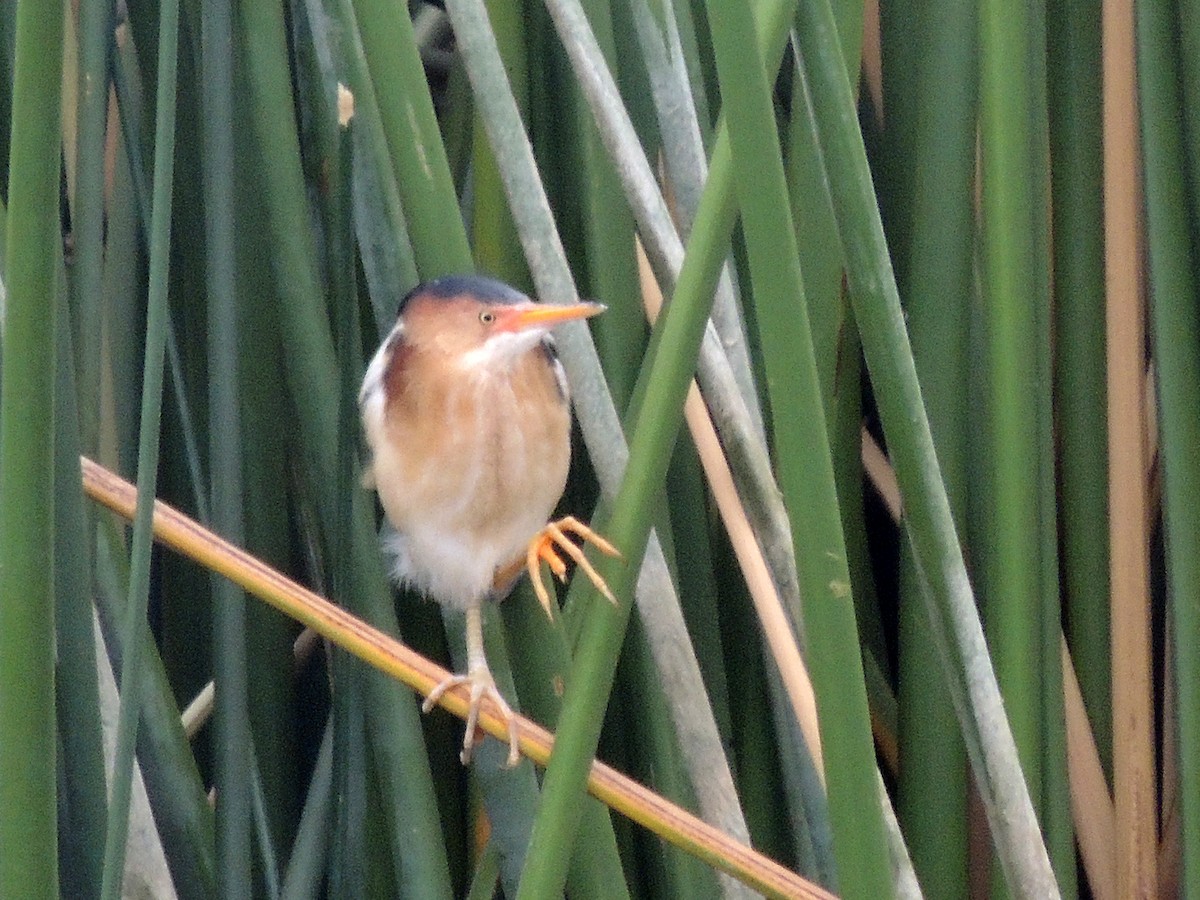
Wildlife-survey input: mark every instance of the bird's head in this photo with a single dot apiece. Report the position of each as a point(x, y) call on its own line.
point(479, 323)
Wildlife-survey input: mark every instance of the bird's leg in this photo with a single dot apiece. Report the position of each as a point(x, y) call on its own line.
point(479, 677)
point(546, 544)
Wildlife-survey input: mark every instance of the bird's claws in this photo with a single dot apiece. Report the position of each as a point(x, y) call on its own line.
point(551, 539)
point(481, 685)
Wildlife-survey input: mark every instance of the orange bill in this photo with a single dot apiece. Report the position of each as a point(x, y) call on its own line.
point(520, 316)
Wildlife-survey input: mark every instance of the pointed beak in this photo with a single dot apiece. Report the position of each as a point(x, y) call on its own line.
point(523, 316)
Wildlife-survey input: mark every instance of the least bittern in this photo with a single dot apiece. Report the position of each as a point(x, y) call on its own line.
point(466, 412)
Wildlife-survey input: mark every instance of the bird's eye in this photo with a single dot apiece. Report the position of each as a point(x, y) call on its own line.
point(487, 317)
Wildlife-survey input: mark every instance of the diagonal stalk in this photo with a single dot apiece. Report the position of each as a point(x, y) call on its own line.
point(929, 525)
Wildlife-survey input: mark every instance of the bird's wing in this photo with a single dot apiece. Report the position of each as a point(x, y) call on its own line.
point(560, 374)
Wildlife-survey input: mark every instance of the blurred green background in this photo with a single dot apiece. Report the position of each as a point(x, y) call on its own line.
point(932, 267)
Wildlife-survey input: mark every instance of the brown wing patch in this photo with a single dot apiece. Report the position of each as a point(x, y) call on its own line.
point(398, 375)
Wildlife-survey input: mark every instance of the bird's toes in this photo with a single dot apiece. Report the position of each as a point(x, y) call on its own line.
point(556, 532)
point(481, 689)
point(586, 533)
point(482, 686)
point(550, 545)
point(440, 688)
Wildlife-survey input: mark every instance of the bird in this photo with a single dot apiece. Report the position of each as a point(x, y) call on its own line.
point(466, 416)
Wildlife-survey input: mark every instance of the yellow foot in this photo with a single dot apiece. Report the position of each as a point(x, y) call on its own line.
point(482, 685)
point(545, 546)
